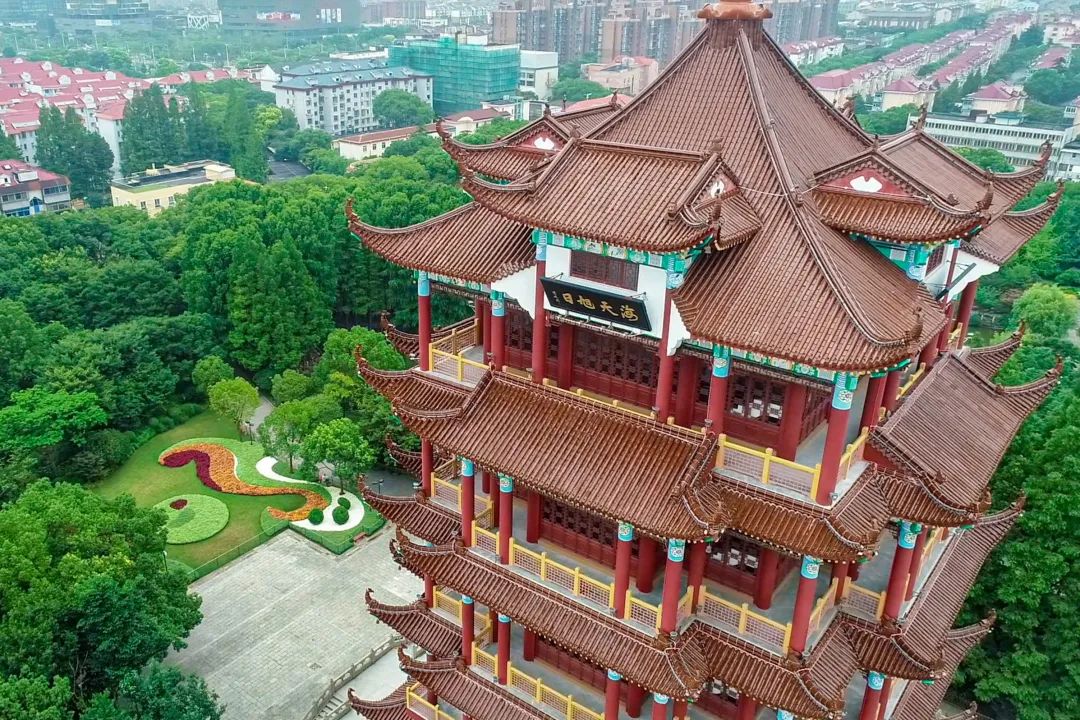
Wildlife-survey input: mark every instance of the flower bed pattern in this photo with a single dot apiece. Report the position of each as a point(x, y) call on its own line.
point(216, 467)
point(193, 518)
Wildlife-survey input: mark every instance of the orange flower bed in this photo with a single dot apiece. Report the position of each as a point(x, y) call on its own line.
point(216, 467)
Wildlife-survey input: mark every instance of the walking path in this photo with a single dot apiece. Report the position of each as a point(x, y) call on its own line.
point(285, 619)
point(356, 506)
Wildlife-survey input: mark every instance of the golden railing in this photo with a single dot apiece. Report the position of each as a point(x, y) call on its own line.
point(868, 601)
point(542, 694)
point(764, 467)
point(955, 335)
point(739, 619)
point(613, 403)
point(448, 493)
point(853, 454)
point(446, 356)
point(906, 387)
point(420, 706)
point(453, 607)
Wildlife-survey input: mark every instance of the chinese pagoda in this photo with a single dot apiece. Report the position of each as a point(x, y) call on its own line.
point(712, 444)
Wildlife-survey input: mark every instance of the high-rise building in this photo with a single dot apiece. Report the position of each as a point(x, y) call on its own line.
point(569, 28)
point(25, 10)
point(797, 20)
point(649, 28)
point(466, 73)
point(712, 445)
point(292, 16)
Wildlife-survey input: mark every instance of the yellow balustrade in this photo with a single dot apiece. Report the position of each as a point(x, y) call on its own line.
point(444, 489)
point(906, 387)
point(823, 604)
point(613, 403)
point(540, 692)
point(852, 454)
point(456, 366)
point(485, 661)
point(868, 601)
point(955, 335)
point(740, 619)
point(765, 467)
point(642, 612)
point(484, 538)
point(453, 607)
point(420, 706)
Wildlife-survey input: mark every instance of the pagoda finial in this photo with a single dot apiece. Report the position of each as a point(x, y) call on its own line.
point(988, 197)
point(920, 122)
point(1044, 154)
point(734, 10)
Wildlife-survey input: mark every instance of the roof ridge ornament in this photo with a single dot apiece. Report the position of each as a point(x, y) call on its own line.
point(734, 10)
point(920, 122)
point(988, 198)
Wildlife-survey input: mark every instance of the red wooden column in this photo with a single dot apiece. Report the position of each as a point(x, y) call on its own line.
point(686, 393)
point(680, 709)
point(635, 696)
point(423, 296)
point(506, 517)
point(667, 362)
point(623, 542)
point(486, 330)
point(528, 645)
point(566, 356)
point(804, 603)
point(535, 511)
point(468, 500)
point(427, 465)
point(892, 388)
point(539, 325)
point(836, 435)
point(612, 691)
point(963, 315)
point(468, 627)
point(875, 398)
point(718, 383)
point(883, 703)
point(928, 356)
point(699, 556)
point(478, 319)
point(502, 657)
point(498, 329)
point(917, 555)
point(747, 708)
point(943, 336)
point(791, 420)
point(765, 582)
point(901, 566)
point(646, 563)
point(871, 696)
point(840, 575)
point(429, 590)
point(660, 706)
point(669, 609)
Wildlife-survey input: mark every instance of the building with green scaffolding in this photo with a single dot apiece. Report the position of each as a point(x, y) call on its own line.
point(465, 74)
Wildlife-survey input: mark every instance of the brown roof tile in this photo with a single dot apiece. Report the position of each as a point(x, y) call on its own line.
point(674, 669)
point(392, 707)
point(469, 243)
point(651, 197)
point(416, 515)
point(842, 533)
point(989, 360)
point(619, 465)
point(419, 625)
point(901, 220)
point(1008, 233)
point(921, 702)
point(918, 499)
point(512, 156)
point(954, 428)
point(467, 691)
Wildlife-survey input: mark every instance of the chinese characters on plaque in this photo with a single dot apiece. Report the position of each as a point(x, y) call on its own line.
point(597, 303)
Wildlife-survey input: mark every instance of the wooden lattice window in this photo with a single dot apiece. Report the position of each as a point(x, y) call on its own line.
point(736, 553)
point(603, 269)
point(518, 330)
point(756, 398)
point(936, 256)
point(579, 521)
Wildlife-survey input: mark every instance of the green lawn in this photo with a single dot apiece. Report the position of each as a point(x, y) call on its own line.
point(149, 483)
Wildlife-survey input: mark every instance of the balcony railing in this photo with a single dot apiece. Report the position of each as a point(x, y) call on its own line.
point(453, 607)
point(447, 356)
point(447, 493)
point(545, 696)
point(872, 602)
point(915, 376)
point(764, 467)
point(739, 619)
point(420, 706)
point(614, 403)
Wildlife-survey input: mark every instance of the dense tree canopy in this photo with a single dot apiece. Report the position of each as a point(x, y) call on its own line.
point(400, 108)
point(65, 146)
point(987, 158)
point(572, 90)
point(889, 122)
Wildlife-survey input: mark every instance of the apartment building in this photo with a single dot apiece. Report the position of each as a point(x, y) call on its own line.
point(159, 188)
point(28, 190)
point(342, 102)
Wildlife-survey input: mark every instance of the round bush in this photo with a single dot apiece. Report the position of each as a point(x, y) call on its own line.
point(316, 517)
point(344, 502)
point(191, 518)
point(341, 515)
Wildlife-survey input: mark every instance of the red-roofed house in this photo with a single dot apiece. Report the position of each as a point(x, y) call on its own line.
point(366, 146)
point(29, 190)
point(21, 125)
point(1052, 58)
point(469, 120)
point(997, 97)
point(171, 83)
point(908, 91)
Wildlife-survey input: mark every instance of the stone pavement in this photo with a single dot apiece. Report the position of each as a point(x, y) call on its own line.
point(285, 619)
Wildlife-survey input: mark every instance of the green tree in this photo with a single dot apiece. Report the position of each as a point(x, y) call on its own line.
point(400, 108)
point(150, 135)
point(290, 385)
point(35, 698)
point(160, 692)
point(65, 146)
point(8, 149)
point(245, 146)
point(324, 161)
point(340, 444)
point(200, 136)
point(292, 146)
point(284, 430)
point(986, 158)
point(492, 131)
point(84, 594)
point(20, 347)
point(37, 418)
point(577, 89)
point(209, 371)
point(1047, 310)
point(236, 399)
point(892, 121)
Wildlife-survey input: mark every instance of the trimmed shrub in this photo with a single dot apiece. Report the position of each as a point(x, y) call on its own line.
point(316, 517)
point(341, 515)
point(344, 502)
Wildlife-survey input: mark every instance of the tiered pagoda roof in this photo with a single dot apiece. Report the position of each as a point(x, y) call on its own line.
point(989, 360)
point(418, 624)
point(950, 434)
point(416, 515)
point(1012, 229)
point(919, 701)
point(655, 476)
point(408, 344)
point(392, 707)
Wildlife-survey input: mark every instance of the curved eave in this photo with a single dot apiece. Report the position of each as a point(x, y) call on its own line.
point(882, 649)
point(419, 625)
point(416, 515)
point(1011, 231)
point(467, 691)
point(894, 219)
point(392, 707)
point(1015, 185)
point(412, 392)
point(469, 243)
point(988, 360)
point(497, 160)
point(919, 499)
point(921, 702)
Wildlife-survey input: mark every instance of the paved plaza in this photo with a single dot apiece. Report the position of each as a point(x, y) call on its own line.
point(283, 620)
